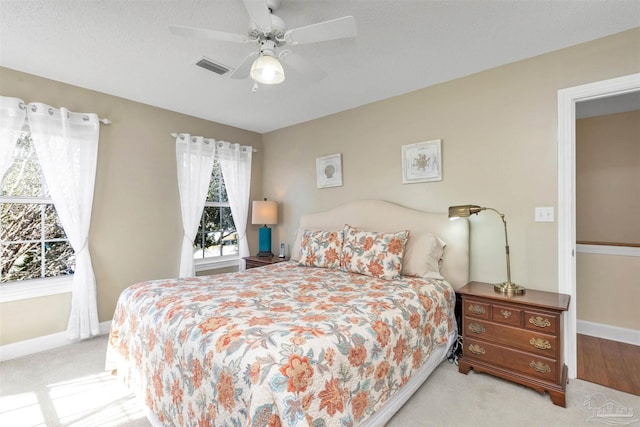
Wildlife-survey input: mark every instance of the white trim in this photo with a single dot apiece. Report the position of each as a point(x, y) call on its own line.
point(608, 250)
point(24, 289)
point(608, 332)
point(205, 264)
point(567, 99)
point(43, 343)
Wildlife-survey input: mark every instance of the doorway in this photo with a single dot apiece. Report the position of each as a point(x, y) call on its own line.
point(567, 99)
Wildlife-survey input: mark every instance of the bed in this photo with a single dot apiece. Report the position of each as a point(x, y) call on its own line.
point(342, 334)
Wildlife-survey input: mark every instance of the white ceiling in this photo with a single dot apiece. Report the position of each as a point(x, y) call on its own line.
point(124, 48)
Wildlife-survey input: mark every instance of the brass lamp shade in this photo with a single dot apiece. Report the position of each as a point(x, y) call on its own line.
point(464, 211)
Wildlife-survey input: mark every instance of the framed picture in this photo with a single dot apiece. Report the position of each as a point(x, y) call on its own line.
point(329, 171)
point(422, 162)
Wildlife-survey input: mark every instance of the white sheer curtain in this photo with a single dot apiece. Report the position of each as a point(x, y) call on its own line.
point(235, 161)
point(12, 114)
point(194, 155)
point(67, 147)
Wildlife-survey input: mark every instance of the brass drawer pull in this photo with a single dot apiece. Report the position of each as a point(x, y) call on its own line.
point(476, 349)
point(540, 367)
point(476, 328)
point(476, 309)
point(540, 322)
point(540, 343)
point(505, 313)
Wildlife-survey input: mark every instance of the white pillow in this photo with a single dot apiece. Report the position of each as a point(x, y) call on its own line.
point(422, 256)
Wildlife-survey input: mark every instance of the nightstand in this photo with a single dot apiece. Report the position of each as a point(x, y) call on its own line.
point(515, 337)
point(261, 261)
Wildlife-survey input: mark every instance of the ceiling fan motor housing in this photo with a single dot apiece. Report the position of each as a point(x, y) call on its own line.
point(278, 28)
point(268, 47)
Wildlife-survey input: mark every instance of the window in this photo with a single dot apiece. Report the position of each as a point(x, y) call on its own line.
point(33, 243)
point(217, 236)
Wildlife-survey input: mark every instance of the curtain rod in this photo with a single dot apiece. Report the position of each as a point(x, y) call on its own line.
point(175, 135)
point(102, 120)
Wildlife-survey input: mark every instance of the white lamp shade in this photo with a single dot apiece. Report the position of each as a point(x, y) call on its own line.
point(267, 70)
point(264, 212)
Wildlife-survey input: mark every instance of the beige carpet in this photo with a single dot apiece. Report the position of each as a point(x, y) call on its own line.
point(68, 387)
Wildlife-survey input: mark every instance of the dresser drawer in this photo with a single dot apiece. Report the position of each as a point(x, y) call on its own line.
point(518, 338)
point(528, 364)
point(507, 315)
point(542, 322)
point(476, 309)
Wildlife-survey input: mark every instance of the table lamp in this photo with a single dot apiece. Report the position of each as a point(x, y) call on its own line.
point(264, 212)
point(464, 211)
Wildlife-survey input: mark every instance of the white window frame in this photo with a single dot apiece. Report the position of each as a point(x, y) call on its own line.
point(34, 288)
point(41, 286)
point(223, 261)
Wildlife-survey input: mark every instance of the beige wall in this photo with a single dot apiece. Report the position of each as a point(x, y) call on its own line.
point(136, 228)
point(498, 131)
point(608, 175)
point(608, 290)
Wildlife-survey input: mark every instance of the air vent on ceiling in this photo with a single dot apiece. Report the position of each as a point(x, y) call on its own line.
point(210, 65)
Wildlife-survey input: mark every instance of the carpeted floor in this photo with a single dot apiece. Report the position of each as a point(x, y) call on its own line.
point(68, 387)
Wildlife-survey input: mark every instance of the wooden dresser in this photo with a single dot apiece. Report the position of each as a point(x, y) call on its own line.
point(515, 337)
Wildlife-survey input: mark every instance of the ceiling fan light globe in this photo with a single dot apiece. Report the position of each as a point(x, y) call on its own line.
point(267, 70)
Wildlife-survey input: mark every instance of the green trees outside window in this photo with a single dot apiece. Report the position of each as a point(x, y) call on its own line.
point(217, 232)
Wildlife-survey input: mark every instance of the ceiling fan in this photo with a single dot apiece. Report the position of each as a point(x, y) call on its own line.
point(273, 38)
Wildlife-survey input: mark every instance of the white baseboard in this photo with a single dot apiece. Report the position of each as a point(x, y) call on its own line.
point(608, 332)
point(46, 342)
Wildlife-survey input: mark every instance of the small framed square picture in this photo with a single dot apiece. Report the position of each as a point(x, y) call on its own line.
point(329, 171)
point(422, 162)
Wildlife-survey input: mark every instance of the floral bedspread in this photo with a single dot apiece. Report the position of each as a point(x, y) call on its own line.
point(280, 345)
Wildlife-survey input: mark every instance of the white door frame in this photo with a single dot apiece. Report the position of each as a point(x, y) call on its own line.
point(567, 99)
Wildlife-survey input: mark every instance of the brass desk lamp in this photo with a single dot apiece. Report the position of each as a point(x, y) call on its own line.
point(464, 211)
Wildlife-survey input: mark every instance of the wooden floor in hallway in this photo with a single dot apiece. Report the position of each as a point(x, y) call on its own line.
point(610, 363)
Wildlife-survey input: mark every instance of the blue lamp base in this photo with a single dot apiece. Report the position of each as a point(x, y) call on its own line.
point(264, 242)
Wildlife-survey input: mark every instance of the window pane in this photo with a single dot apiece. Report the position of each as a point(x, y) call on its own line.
point(217, 190)
point(59, 259)
point(227, 220)
point(211, 231)
point(217, 233)
point(229, 235)
point(24, 176)
point(52, 225)
point(26, 229)
point(21, 261)
point(21, 221)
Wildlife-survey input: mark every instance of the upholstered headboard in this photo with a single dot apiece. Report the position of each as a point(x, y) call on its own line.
point(379, 215)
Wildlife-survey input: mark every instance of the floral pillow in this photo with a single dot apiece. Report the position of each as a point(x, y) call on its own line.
point(321, 249)
point(372, 253)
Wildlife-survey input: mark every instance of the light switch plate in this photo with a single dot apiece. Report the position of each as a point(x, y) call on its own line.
point(544, 214)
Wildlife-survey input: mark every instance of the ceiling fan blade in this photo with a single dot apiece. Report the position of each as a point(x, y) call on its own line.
point(301, 65)
point(259, 14)
point(204, 33)
point(242, 72)
point(322, 31)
